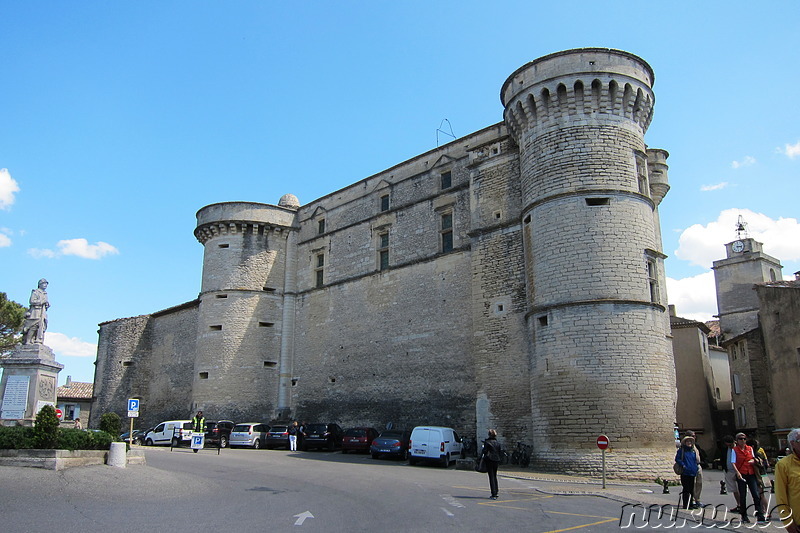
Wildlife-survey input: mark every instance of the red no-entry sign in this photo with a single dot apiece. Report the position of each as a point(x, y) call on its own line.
point(602, 442)
point(59, 414)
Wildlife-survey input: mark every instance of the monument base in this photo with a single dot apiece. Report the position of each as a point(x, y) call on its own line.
point(30, 377)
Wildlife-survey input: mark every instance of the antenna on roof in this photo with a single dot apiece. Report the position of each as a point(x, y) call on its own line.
point(741, 228)
point(440, 130)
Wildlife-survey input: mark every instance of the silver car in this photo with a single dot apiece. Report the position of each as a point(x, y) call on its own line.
point(250, 434)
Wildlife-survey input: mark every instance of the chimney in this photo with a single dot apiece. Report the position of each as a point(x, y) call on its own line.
point(69, 381)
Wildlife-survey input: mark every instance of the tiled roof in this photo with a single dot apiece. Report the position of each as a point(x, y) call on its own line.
point(76, 390)
point(713, 325)
point(676, 322)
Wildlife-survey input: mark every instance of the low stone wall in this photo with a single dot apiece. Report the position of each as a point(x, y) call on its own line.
point(61, 459)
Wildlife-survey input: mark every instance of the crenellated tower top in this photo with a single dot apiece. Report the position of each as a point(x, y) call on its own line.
point(579, 85)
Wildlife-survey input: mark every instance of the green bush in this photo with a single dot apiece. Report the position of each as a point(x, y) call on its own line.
point(45, 431)
point(78, 439)
point(110, 423)
point(16, 438)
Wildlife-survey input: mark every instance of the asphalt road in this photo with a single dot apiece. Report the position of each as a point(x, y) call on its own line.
point(274, 490)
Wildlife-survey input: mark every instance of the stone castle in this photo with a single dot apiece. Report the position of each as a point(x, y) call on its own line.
point(512, 278)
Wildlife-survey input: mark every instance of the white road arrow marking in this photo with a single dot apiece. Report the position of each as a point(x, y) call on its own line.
point(302, 518)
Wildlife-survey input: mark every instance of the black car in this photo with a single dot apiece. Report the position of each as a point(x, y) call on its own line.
point(323, 436)
point(219, 433)
point(392, 443)
point(278, 437)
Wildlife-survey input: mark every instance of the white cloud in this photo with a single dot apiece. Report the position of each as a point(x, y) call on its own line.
point(7, 188)
point(78, 247)
point(716, 187)
point(40, 252)
point(5, 240)
point(694, 298)
point(82, 248)
point(702, 245)
point(746, 162)
point(63, 345)
point(791, 150)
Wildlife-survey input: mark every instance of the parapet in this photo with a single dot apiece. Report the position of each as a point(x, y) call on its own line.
point(580, 84)
point(234, 216)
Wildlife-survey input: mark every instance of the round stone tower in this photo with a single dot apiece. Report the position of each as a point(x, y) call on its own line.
point(601, 356)
point(240, 353)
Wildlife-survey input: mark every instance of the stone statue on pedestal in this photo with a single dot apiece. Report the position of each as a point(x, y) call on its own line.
point(36, 318)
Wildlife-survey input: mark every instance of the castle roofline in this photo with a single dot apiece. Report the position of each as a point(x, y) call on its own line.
point(573, 51)
point(445, 147)
point(162, 312)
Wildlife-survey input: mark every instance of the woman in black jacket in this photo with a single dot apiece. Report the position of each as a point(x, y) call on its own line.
point(491, 454)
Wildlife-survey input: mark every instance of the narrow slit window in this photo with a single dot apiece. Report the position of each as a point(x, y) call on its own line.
point(266, 324)
point(447, 232)
point(215, 327)
point(385, 202)
point(321, 226)
point(220, 296)
point(270, 364)
point(594, 202)
point(224, 245)
point(542, 320)
point(383, 251)
point(203, 375)
point(319, 273)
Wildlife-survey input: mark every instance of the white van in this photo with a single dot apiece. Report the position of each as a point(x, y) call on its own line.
point(175, 432)
point(434, 442)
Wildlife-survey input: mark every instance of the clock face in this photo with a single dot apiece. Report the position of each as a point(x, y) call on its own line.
point(738, 246)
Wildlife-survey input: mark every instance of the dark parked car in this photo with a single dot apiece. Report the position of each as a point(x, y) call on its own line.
point(358, 439)
point(219, 433)
point(392, 442)
point(278, 437)
point(323, 436)
point(138, 436)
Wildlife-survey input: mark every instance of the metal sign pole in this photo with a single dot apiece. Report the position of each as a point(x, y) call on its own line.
point(604, 468)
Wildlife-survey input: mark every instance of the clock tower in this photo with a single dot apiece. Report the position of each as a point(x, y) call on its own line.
point(744, 266)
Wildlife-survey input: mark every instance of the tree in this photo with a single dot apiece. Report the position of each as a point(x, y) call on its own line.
point(12, 316)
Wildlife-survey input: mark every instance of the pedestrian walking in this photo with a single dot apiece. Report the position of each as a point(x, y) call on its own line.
point(686, 457)
point(294, 429)
point(746, 478)
point(698, 479)
point(490, 454)
point(729, 466)
point(787, 484)
point(78, 424)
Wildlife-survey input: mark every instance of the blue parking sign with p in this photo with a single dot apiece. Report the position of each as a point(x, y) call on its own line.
point(133, 404)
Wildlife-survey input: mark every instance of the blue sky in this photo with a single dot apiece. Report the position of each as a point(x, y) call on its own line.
point(121, 119)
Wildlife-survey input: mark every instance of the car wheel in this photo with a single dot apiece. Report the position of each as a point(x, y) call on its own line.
point(223, 442)
point(404, 455)
point(446, 460)
point(374, 455)
point(257, 444)
point(175, 442)
point(148, 442)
